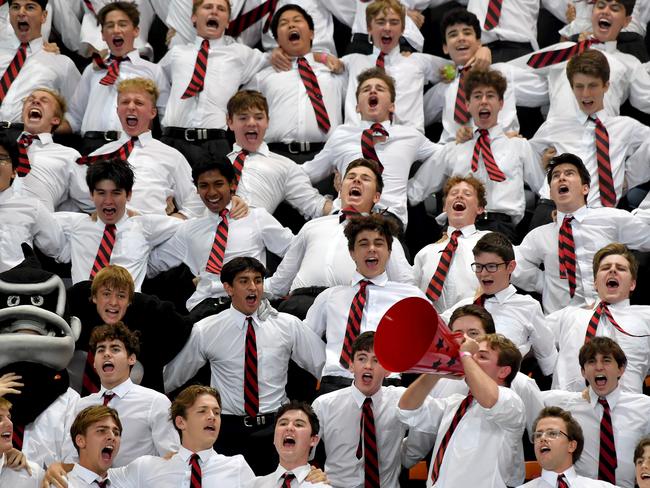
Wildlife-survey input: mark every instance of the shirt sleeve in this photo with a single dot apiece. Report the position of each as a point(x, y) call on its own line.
point(398, 268)
point(308, 349)
point(429, 177)
point(323, 163)
point(170, 253)
point(301, 195)
point(541, 339)
point(48, 235)
point(79, 102)
point(507, 412)
point(185, 193)
point(276, 237)
point(427, 418)
point(163, 434)
point(528, 256)
point(316, 318)
point(640, 88)
point(280, 283)
point(187, 362)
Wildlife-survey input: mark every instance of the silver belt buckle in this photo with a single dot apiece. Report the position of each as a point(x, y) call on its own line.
point(187, 135)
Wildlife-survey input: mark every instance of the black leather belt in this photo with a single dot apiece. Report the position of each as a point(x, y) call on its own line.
point(5, 124)
point(497, 216)
point(312, 291)
point(296, 147)
point(342, 381)
point(108, 135)
point(261, 420)
point(191, 134)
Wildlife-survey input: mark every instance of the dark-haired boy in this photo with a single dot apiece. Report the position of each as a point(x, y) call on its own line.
point(602, 364)
point(518, 317)
point(263, 178)
point(581, 133)
point(396, 147)
point(502, 163)
point(341, 313)
point(611, 315)
point(111, 235)
point(351, 449)
point(194, 242)
point(143, 411)
point(582, 229)
point(485, 426)
point(38, 69)
point(92, 110)
point(248, 349)
point(558, 446)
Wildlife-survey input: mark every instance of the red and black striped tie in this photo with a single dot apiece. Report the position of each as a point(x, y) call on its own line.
point(251, 388)
point(601, 309)
point(482, 148)
point(353, 328)
point(24, 141)
point(567, 254)
point(380, 63)
point(607, 461)
point(434, 290)
point(238, 165)
point(461, 112)
point(480, 300)
point(548, 58)
point(245, 20)
point(605, 178)
point(493, 14)
point(107, 397)
point(105, 249)
point(200, 68)
point(122, 153)
point(112, 69)
point(104, 483)
point(561, 482)
point(90, 381)
point(368, 442)
point(437, 460)
point(287, 478)
point(368, 142)
point(347, 213)
point(90, 7)
point(195, 471)
point(12, 70)
point(315, 96)
point(218, 251)
point(18, 435)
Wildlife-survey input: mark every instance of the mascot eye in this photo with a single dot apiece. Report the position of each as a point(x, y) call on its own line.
point(13, 300)
point(37, 300)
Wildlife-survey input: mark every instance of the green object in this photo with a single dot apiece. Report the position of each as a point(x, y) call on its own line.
point(449, 72)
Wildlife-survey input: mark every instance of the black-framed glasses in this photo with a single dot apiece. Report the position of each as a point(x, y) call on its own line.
point(489, 267)
point(551, 434)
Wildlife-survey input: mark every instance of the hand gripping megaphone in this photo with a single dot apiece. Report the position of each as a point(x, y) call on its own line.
point(412, 338)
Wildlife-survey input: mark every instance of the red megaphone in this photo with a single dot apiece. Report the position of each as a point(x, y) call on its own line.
point(412, 338)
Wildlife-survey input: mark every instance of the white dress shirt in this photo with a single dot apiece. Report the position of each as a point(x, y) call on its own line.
point(576, 135)
point(41, 69)
point(230, 64)
point(134, 239)
point(275, 480)
point(268, 179)
point(160, 172)
point(490, 437)
point(291, 113)
point(20, 478)
point(515, 159)
point(91, 31)
point(339, 413)
point(144, 414)
point(440, 100)
point(548, 479)
point(44, 439)
point(569, 326)
point(628, 79)
point(461, 281)
point(81, 477)
point(630, 421)
point(55, 176)
point(328, 315)
point(216, 471)
point(522, 385)
point(249, 236)
point(403, 146)
point(94, 106)
point(220, 340)
point(520, 319)
point(319, 256)
point(593, 229)
point(410, 73)
point(24, 219)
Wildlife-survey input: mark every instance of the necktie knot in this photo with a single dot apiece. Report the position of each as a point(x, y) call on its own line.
point(347, 213)
point(561, 482)
point(603, 402)
point(456, 234)
point(287, 478)
point(223, 214)
point(103, 483)
point(484, 133)
point(194, 458)
point(107, 397)
point(362, 285)
point(26, 139)
point(378, 129)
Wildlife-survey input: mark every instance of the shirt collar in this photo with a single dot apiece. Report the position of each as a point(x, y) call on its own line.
point(579, 214)
point(380, 280)
point(468, 230)
point(215, 216)
point(240, 318)
point(85, 474)
point(300, 473)
point(263, 150)
point(213, 42)
point(585, 119)
point(120, 390)
point(551, 476)
point(386, 124)
point(43, 137)
point(494, 131)
point(503, 295)
point(612, 398)
point(396, 51)
point(360, 397)
point(184, 453)
point(608, 47)
point(623, 304)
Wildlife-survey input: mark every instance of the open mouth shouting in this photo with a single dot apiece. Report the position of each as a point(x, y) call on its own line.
point(131, 121)
point(600, 380)
point(35, 114)
point(108, 367)
point(251, 299)
point(386, 41)
point(563, 189)
point(252, 135)
point(212, 23)
point(6, 435)
point(210, 428)
point(107, 453)
point(294, 35)
point(118, 41)
point(612, 284)
point(458, 206)
point(366, 378)
point(373, 101)
point(23, 26)
point(484, 114)
point(288, 441)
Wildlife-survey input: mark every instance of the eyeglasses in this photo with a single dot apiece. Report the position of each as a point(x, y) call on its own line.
point(489, 267)
point(551, 434)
